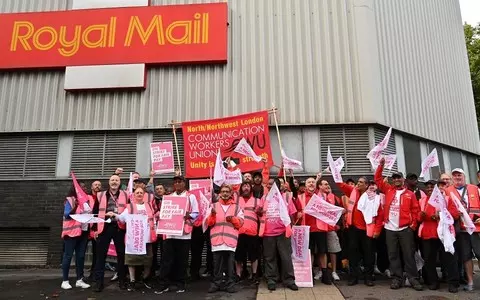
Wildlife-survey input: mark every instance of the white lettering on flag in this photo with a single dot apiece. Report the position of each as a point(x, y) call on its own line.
point(376, 152)
point(430, 161)
point(233, 177)
point(437, 200)
point(339, 164)
point(244, 148)
point(319, 208)
point(274, 196)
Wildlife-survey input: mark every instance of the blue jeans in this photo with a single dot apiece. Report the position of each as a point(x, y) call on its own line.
point(79, 245)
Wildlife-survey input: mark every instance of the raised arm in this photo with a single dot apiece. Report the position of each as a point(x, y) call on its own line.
point(382, 185)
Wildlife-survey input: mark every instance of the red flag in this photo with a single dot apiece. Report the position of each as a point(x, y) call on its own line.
point(82, 197)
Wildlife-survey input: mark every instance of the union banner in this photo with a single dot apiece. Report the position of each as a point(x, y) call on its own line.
point(202, 139)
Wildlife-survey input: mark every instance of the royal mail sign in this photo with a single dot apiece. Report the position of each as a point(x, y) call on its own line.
point(127, 35)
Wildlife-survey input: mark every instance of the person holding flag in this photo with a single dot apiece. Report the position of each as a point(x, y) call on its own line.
point(276, 231)
point(467, 199)
point(401, 214)
point(428, 218)
point(75, 234)
point(364, 221)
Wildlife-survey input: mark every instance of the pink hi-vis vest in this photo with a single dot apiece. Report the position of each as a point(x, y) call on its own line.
point(473, 203)
point(150, 216)
point(250, 224)
point(71, 227)
point(288, 229)
point(121, 205)
point(224, 232)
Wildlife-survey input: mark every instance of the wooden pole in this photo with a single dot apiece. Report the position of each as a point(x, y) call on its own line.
point(274, 110)
point(176, 147)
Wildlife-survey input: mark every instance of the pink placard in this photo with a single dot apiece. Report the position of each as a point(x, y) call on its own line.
point(162, 157)
point(303, 272)
point(111, 249)
point(172, 212)
point(205, 184)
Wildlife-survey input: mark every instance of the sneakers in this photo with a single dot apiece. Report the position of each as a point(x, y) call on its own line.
point(162, 290)
point(468, 288)
point(147, 284)
point(369, 280)
point(434, 287)
point(179, 291)
point(396, 284)
point(335, 276)
point(213, 289)
point(452, 289)
point(66, 285)
point(231, 289)
point(81, 284)
point(205, 274)
point(388, 273)
point(376, 271)
point(271, 286)
point(318, 275)
point(115, 277)
point(131, 286)
point(416, 285)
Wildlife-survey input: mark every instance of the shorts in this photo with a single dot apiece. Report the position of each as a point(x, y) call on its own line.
point(318, 242)
point(248, 247)
point(468, 245)
point(333, 243)
point(140, 260)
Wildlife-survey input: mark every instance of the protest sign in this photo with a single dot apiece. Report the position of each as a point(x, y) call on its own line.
point(172, 213)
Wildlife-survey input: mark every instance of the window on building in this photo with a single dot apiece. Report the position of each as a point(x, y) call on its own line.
point(413, 156)
point(472, 168)
point(455, 159)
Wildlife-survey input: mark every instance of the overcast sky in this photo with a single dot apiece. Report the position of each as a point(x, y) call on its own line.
point(470, 11)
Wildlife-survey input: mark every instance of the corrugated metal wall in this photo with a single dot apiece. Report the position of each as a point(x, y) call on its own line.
point(306, 56)
point(426, 83)
point(295, 53)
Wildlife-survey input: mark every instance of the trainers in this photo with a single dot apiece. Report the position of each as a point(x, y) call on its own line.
point(318, 275)
point(162, 290)
point(416, 285)
point(131, 286)
point(468, 288)
point(335, 276)
point(434, 287)
point(369, 280)
point(115, 277)
point(231, 289)
point(272, 286)
point(376, 271)
point(81, 284)
point(407, 282)
point(293, 287)
point(388, 273)
point(205, 274)
point(147, 284)
point(179, 291)
point(396, 284)
point(213, 289)
point(452, 289)
point(66, 285)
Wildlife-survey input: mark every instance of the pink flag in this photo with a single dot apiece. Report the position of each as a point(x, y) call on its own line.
point(244, 148)
point(289, 163)
point(437, 200)
point(389, 161)
point(233, 177)
point(319, 208)
point(430, 161)
point(467, 221)
point(82, 197)
point(339, 164)
point(300, 242)
point(275, 196)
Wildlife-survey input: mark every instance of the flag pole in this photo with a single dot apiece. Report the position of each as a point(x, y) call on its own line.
point(274, 109)
point(176, 146)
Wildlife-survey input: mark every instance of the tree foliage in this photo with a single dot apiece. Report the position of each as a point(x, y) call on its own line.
point(472, 39)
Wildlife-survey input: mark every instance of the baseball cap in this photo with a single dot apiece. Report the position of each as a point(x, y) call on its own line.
point(412, 176)
point(458, 170)
point(432, 182)
point(397, 175)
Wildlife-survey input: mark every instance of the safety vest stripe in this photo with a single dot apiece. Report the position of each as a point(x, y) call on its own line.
point(224, 234)
point(250, 218)
point(224, 224)
point(72, 227)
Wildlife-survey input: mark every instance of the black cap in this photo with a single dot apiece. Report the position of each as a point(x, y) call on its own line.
point(140, 180)
point(412, 176)
point(397, 175)
point(178, 177)
point(432, 182)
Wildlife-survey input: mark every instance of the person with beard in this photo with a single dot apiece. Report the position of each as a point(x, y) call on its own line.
point(401, 213)
point(411, 182)
point(225, 219)
point(95, 188)
point(432, 246)
point(318, 231)
point(248, 242)
point(364, 221)
point(111, 202)
point(247, 177)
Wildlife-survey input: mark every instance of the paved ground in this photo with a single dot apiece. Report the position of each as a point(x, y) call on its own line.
point(318, 292)
point(382, 291)
point(45, 284)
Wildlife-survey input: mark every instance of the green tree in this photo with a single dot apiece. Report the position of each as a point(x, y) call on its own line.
point(472, 39)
